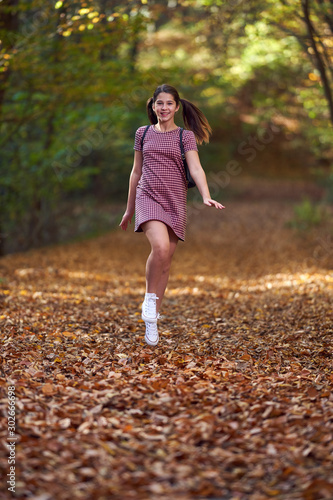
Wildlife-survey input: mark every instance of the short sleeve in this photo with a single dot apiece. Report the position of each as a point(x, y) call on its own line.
point(138, 137)
point(190, 144)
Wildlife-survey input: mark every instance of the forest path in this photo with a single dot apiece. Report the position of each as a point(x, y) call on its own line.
point(236, 400)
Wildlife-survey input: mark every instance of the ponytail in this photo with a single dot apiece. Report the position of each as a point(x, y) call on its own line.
point(151, 113)
point(194, 119)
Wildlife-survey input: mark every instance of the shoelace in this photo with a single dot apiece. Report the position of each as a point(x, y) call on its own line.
point(150, 303)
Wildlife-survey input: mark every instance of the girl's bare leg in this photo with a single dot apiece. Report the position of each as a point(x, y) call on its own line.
point(163, 243)
point(166, 269)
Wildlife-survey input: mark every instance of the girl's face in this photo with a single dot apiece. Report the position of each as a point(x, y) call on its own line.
point(165, 107)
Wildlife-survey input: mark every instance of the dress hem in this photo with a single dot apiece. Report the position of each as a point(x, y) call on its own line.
point(140, 230)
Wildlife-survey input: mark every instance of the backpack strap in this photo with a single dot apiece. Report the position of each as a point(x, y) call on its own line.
point(181, 144)
point(143, 135)
point(190, 181)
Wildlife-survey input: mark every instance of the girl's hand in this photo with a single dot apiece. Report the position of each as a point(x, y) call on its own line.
point(127, 219)
point(213, 203)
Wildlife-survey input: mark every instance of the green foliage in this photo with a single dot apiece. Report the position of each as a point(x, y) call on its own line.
point(324, 178)
point(75, 76)
point(307, 215)
point(329, 186)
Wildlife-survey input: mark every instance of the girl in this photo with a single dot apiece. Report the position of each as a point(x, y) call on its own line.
point(158, 188)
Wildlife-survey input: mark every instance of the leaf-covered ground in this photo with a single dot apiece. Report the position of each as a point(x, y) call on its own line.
point(234, 403)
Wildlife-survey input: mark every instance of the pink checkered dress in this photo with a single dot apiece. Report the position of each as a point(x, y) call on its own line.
point(162, 188)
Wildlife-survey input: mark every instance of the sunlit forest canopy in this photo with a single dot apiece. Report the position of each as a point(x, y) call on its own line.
point(75, 76)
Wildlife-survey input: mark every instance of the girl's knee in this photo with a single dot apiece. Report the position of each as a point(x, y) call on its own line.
point(161, 252)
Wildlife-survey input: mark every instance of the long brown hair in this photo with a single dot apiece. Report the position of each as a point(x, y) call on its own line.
point(194, 119)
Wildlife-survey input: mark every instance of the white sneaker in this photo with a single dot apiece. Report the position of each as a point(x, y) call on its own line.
point(151, 336)
point(149, 308)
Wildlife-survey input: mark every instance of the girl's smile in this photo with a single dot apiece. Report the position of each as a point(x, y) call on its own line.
point(165, 107)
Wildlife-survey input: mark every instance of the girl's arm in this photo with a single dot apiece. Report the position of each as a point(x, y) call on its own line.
point(133, 182)
point(199, 177)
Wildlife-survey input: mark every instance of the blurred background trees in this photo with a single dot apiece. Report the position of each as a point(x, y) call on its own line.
point(75, 76)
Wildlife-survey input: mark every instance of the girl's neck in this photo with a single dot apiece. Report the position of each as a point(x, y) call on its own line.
point(165, 127)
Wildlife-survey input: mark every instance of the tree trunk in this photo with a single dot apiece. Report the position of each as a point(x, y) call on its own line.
point(318, 58)
point(9, 25)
